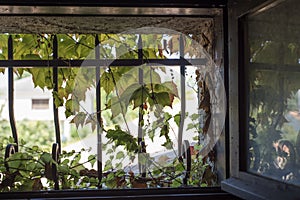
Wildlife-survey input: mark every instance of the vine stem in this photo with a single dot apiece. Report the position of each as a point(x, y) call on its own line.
point(82, 163)
point(118, 95)
point(80, 43)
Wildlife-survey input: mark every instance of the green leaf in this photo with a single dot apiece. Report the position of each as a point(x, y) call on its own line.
point(117, 106)
point(190, 126)
point(76, 159)
point(135, 93)
point(197, 147)
point(46, 157)
point(35, 148)
point(39, 166)
point(2, 70)
point(111, 157)
point(14, 163)
point(122, 138)
point(120, 173)
point(92, 159)
point(31, 166)
point(108, 165)
point(58, 101)
point(64, 169)
point(120, 155)
point(167, 116)
point(107, 82)
point(31, 57)
point(11, 139)
point(177, 118)
point(151, 76)
point(2, 57)
point(179, 168)
point(42, 77)
point(168, 144)
point(169, 87)
point(65, 162)
point(22, 142)
point(24, 173)
point(143, 158)
point(109, 151)
point(194, 116)
point(151, 134)
point(176, 183)
point(149, 53)
point(163, 99)
point(164, 131)
point(20, 71)
point(72, 106)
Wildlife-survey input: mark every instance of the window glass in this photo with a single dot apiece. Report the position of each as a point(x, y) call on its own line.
point(150, 118)
point(273, 70)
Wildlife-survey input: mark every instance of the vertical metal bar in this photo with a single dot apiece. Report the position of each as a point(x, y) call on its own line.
point(141, 143)
point(141, 82)
point(11, 94)
point(226, 82)
point(56, 147)
point(55, 89)
point(182, 95)
point(98, 108)
point(140, 48)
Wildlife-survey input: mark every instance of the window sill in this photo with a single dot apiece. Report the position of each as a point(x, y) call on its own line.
point(257, 190)
point(152, 193)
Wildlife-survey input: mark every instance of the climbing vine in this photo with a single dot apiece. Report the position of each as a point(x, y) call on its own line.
point(123, 95)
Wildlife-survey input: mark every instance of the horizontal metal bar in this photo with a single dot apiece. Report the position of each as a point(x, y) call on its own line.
point(104, 63)
point(277, 67)
point(108, 10)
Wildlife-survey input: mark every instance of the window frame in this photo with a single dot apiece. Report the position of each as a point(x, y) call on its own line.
point(90, 8)
point(40, 104)
point(242, 183)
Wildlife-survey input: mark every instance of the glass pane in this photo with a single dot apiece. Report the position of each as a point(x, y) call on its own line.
point(274, 92)
point(159, 124)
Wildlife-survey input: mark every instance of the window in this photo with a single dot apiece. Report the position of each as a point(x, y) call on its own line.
point(40, 104)
point(111, 68)
point(268, 132)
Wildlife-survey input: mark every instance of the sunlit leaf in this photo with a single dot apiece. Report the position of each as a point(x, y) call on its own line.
point(107, 82)
point(31, 57)
point(2, 70)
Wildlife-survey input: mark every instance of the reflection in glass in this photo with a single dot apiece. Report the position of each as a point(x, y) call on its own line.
point(274, 95)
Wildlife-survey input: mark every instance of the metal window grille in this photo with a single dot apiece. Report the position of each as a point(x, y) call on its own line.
point(56, 63)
